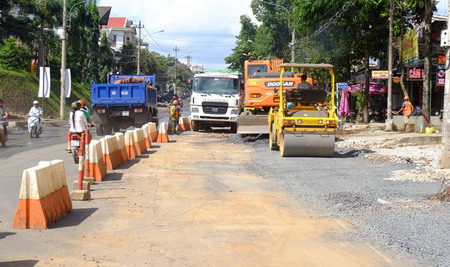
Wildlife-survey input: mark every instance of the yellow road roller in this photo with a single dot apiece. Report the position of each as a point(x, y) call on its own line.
point(304, 123)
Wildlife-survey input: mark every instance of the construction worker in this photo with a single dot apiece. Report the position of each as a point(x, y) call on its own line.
point(407, 109)
point(304, 84)
point(174, 113)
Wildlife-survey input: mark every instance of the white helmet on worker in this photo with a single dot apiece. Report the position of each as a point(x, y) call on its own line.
point(35, 102)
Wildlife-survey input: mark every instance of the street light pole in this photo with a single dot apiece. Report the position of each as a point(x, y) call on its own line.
point(445, 151)
point(176, 60)
point(390, 62)
point(139, 49)
point(63, 62)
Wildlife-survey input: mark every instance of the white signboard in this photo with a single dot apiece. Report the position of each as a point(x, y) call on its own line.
point(44, 82)
point(67, 83)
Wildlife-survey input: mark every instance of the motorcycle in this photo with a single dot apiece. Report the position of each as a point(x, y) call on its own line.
point(2, 133)
point(34, 126)
point(75, 143)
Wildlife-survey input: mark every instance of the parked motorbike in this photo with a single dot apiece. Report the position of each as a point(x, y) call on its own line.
point(2, 133)
point(34, 126)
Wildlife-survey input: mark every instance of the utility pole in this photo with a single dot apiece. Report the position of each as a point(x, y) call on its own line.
point(176, 60)
point(445, 151)
point(63, 61)
point(390, 59)
point(139, 49)
point(293, 46)
point(188, 60)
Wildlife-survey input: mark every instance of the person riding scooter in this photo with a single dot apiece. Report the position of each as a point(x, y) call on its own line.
point(35, 118)
point(4, 114)
point(78, 123)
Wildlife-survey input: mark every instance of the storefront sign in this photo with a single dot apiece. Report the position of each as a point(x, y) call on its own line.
point(440, 78)
point(415, 74)
point(380, 74)
point(410, 47)
point(341, 85)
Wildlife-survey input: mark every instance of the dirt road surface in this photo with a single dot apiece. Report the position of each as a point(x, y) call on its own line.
point(192, 202)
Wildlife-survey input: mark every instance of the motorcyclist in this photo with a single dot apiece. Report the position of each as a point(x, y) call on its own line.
point(4, 114)
point(78, 123)
point(35, 112)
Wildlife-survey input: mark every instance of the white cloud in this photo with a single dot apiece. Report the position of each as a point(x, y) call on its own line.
point(207, 28)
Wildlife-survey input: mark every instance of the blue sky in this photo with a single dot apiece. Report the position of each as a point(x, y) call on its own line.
point(202, 29)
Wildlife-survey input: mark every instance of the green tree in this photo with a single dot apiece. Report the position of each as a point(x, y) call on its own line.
point(244, 45)
point(106, 59)
point(128, 59)
point(15, 56)
point(273, 36)
point(83, 51)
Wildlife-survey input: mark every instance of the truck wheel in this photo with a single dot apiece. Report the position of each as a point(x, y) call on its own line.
point(194, 126)
point(234, 128)
point(99, 130)
point(107, 129)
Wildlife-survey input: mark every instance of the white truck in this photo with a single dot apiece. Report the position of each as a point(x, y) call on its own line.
point(215, 101)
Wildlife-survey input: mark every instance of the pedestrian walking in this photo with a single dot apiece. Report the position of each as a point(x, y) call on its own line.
point(407, 109)
point(174, 112)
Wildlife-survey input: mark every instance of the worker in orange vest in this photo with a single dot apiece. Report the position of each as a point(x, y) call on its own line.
point(408, 110)
point(174, 113)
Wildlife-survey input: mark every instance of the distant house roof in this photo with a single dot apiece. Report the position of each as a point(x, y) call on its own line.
point(104, 12)
point(117, 22)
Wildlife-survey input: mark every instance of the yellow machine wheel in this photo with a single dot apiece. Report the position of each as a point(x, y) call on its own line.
point(273, 139)
point(282, 145)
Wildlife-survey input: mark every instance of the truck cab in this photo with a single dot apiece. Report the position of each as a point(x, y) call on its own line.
point(215, 101)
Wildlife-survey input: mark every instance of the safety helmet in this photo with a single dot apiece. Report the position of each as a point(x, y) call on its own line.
point(289, 104)
point(76, 105)
point(35, 102)
point(82, 102)
point(175, 102)
point(406, 98)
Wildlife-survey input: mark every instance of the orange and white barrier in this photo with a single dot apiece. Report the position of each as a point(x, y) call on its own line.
point(163, 137)
point(184, 124)
point(139, 141)
point(110, 152)
point(148, 139)
point(129, 145)
point(120, 137)
point(153, 131)
point(44, 197)
point(97, 166)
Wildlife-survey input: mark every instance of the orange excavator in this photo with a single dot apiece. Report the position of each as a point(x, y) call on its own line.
point(262, 79)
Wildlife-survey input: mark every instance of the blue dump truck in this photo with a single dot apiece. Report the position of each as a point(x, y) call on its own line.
point(125, 101)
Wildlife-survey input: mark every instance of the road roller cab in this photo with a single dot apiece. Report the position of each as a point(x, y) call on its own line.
point(304, 123)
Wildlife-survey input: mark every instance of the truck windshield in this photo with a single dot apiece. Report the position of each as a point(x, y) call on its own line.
point(215, 85)
point(256, 68)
